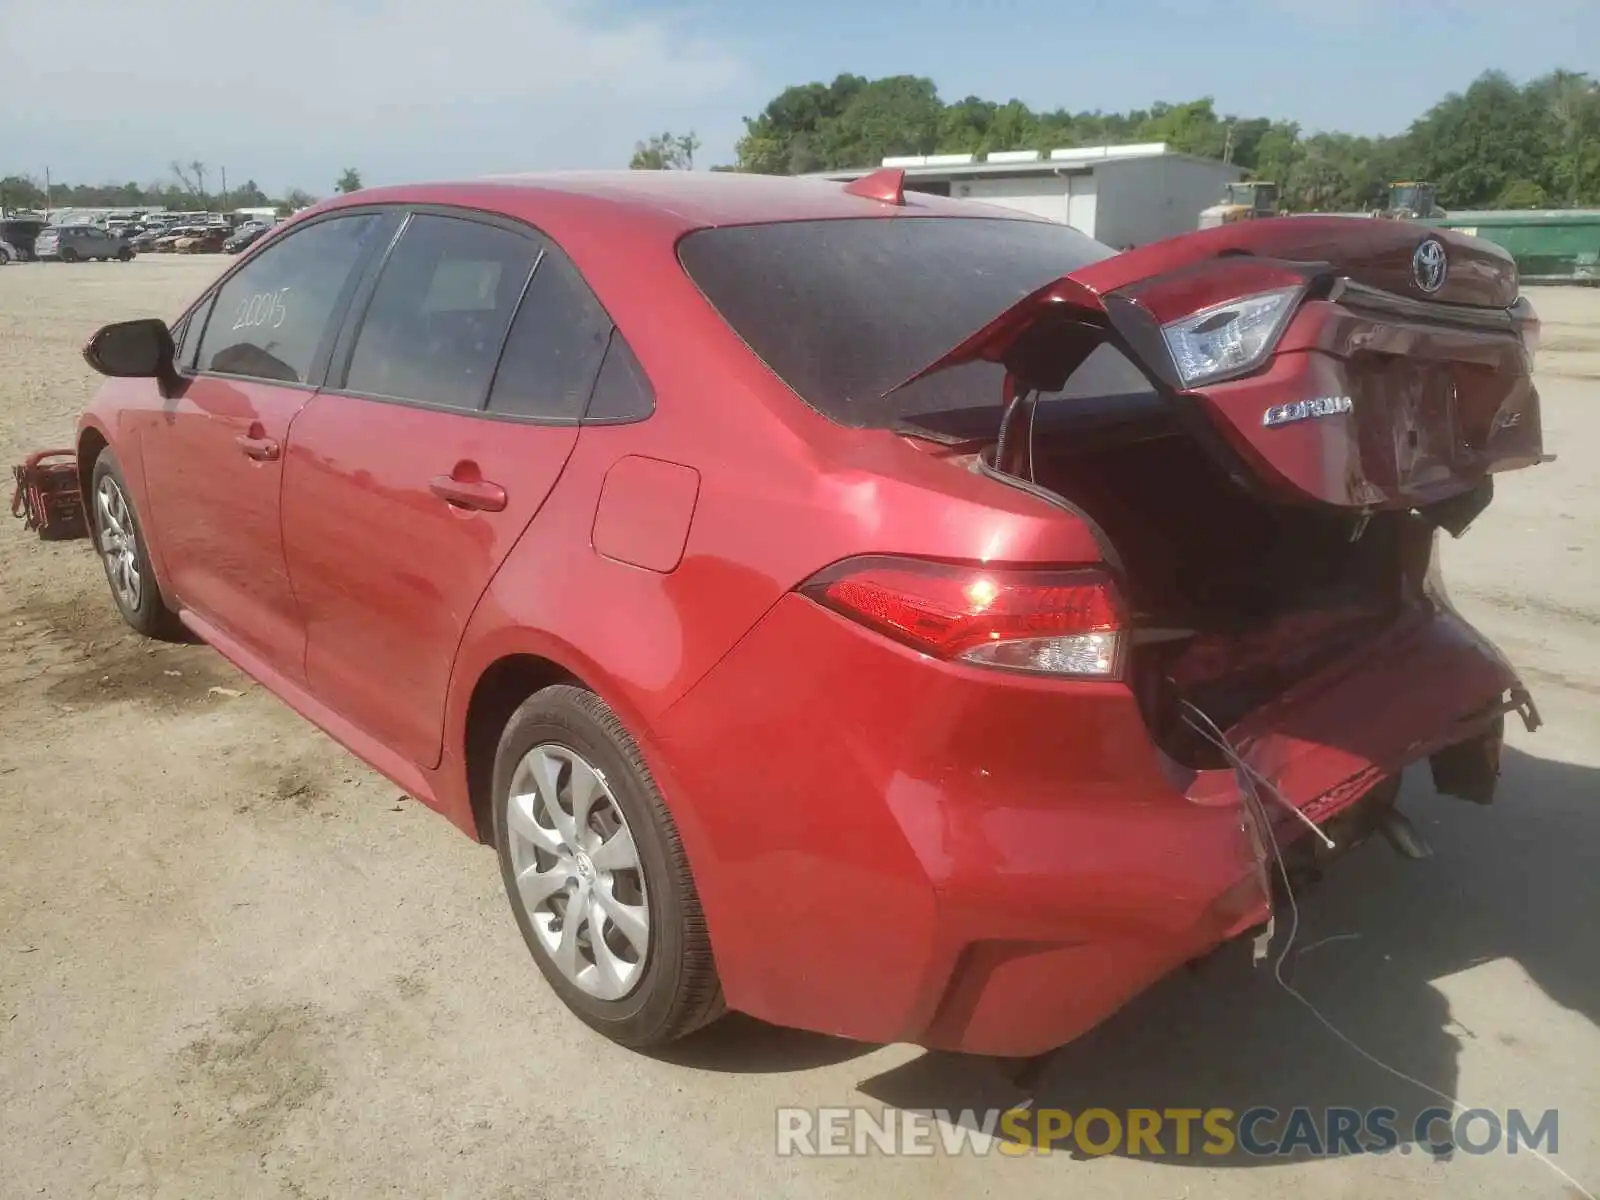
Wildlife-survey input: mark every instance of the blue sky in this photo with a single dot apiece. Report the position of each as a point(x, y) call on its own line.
point(414, 89)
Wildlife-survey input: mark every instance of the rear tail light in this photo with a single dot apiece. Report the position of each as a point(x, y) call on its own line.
point(1224, 340)
point(1054, 622)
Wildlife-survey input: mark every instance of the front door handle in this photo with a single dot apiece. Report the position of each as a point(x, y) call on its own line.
point(262, 449)
point(478, 494)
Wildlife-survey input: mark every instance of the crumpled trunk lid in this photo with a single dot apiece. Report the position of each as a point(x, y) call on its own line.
point(1401, 380)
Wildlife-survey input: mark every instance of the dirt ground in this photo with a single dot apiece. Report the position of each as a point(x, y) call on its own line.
point(234, 962)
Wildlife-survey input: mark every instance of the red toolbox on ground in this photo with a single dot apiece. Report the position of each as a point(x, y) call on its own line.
point(48, 497)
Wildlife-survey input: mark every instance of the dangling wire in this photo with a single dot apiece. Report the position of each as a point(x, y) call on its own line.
point(1218, 739)
point(1250, 783)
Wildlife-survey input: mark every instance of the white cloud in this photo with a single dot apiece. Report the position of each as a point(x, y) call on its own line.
point(292, 89)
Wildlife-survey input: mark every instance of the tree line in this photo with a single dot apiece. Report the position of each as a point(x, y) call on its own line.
point(1498, 144)
point(193, 187)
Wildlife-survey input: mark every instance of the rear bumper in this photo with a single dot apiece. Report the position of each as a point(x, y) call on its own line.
point(894, 849)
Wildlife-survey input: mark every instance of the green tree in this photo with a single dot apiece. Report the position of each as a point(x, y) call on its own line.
point(1572, 100)
point(665, 152)
point(1524, 193)
point(1474, 144)
point(1497, 139)
point(897, 115)
point(786, 138)
point(349, 182)
point(20, 191)
point(250, 195)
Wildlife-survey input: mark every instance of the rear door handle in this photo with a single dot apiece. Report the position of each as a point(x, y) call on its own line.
point(262, 449)
point(479, 494)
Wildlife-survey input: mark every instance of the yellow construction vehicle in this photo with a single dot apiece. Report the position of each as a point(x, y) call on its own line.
point(1242, 201)
point(1410, 202)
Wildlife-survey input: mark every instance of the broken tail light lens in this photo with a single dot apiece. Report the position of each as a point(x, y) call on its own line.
point(1053, 622)
point(1224, 340)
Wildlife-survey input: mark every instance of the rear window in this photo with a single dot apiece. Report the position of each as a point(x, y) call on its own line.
point(843, 310)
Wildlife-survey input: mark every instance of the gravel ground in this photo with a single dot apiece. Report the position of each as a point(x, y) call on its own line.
point(234, 962)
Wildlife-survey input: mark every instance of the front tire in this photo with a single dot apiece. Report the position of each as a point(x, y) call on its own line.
point(125, 255)
point(596, 873)
point(125, 555)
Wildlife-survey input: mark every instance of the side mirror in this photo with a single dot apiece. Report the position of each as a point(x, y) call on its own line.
point(139, 349)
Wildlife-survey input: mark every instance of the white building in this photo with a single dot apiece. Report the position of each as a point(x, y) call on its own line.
point(1119, 195)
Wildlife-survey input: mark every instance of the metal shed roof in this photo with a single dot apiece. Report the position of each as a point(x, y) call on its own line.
point(1020, 162)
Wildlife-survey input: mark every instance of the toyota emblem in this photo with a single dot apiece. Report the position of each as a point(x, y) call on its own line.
point(1429, 266)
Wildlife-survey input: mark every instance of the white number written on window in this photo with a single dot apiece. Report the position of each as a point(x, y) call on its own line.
point(264, 308)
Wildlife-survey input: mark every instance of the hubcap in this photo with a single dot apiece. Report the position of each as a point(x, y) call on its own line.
point(118, 549)
point(577, 871)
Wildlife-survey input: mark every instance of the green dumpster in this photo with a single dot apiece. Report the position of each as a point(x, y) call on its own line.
point(1550, 245)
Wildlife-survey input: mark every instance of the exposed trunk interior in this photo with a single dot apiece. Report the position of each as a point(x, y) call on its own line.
point(1234, 598)
point(1270, 514)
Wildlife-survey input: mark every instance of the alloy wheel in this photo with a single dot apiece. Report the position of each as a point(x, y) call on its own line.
point(118, 543)
point(577, 871)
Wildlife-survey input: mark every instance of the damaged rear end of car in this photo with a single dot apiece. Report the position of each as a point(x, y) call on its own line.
point(1087, 762)
point(1320, 400)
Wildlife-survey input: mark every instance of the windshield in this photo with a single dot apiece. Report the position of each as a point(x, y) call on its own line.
point(843, 310)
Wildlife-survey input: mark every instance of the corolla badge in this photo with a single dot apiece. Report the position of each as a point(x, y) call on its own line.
point(1429, 266)
point(1304, 410)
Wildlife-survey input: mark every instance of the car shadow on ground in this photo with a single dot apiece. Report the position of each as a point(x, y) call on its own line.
point(742, 1045)
point(1515, 880)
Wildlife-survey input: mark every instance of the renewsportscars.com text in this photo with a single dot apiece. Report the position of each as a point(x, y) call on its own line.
point(1158, 1133)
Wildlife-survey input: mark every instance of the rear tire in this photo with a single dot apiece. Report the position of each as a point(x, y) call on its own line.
point(565, 747)
point(125, 555)
point(68, 255)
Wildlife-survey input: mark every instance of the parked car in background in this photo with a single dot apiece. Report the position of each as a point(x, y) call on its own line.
point(20, 233)
point(167, 243)
point(812, 637)
point(207, 240)
point(245, 236)
point(145, 242)
point(80, 243)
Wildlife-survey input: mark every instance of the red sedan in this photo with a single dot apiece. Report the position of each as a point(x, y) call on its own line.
point(877, 613)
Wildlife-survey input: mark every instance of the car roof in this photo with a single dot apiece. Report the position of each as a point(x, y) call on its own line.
point(674, 201)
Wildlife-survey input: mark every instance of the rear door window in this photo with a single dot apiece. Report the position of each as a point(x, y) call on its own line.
point(438, 317)
point(273, 319)
point(622, 392)
point(556, 346)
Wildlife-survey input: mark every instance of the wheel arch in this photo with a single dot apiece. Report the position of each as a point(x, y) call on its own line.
point(500, 689)
point(92, 443)
point(508, 668)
